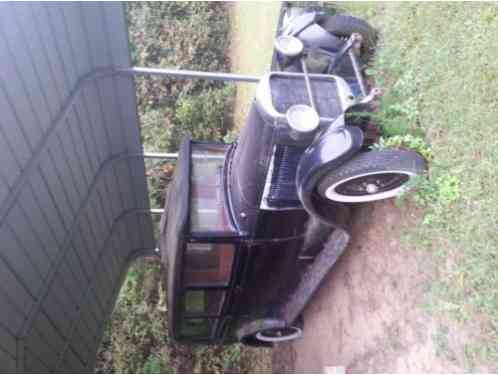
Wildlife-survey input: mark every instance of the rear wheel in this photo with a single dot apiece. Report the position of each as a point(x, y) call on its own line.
point(279, 334)
point(372, 176)
point(264, 332)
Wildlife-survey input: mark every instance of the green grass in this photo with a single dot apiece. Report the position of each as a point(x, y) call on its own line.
point(254, 25)
point(438, 65)
point(136, 339)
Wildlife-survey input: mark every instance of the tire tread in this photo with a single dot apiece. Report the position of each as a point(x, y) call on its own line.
point(374, 161)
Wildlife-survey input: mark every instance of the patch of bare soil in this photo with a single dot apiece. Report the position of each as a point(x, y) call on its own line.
point(368, 316)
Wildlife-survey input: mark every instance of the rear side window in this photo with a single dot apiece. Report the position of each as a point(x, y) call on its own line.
point(203, 301)
point(207, 263)
point(197, 328)
point(208, 209)
point(207, 269)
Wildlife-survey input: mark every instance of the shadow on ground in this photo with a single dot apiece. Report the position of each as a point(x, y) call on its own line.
point(368, 316)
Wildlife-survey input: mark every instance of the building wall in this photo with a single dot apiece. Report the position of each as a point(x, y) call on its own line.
point(71, 182)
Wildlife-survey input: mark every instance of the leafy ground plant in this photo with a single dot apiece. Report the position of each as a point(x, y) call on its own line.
point(182, 35)
point(408, 142)
point(136, 339)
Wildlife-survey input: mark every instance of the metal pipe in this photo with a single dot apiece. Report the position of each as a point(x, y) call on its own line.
point(341, 53)
point(207, 75)
point(308, 84)
point(176, 73)
point(357, 72)
point(208, 157)
point(160, 155)
point(174, 156)
point(152, 211)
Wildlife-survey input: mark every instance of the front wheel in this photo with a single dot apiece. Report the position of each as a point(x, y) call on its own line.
point(372, 176)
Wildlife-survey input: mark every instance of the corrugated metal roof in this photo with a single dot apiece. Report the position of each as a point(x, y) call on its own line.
point(71, 182)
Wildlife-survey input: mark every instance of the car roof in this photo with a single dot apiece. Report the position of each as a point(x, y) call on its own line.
point(174, 227)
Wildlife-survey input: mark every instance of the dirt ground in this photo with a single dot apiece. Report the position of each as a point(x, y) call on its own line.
point(368, 316)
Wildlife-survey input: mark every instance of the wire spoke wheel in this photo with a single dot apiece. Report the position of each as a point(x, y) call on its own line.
point(372, 176)
point(372, 183)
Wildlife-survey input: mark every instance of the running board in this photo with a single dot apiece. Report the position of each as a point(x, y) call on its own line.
point(313, 276)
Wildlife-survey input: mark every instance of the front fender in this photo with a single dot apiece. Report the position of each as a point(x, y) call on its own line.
point(328, 152)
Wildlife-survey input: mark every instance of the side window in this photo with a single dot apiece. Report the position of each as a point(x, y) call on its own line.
point(203, 302)
point(208, 210)
point(208, 263)
point(198, 328)
point(204, 264)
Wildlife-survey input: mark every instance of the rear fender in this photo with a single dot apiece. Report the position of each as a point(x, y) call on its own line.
point(328, 152)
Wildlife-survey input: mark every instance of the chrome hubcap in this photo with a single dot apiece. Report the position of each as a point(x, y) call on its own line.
point(372, 188)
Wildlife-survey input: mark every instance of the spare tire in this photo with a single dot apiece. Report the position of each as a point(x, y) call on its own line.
point(343, 26)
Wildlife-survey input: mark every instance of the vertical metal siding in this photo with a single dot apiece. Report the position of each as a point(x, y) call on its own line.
point(71, 185)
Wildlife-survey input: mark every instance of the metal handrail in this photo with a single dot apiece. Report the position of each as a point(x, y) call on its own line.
point(160, 155)
point(176, 73)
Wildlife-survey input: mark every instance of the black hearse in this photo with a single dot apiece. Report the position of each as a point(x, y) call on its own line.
point(251, 228)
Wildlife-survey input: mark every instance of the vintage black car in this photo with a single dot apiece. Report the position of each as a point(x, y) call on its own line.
point(251, 228)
